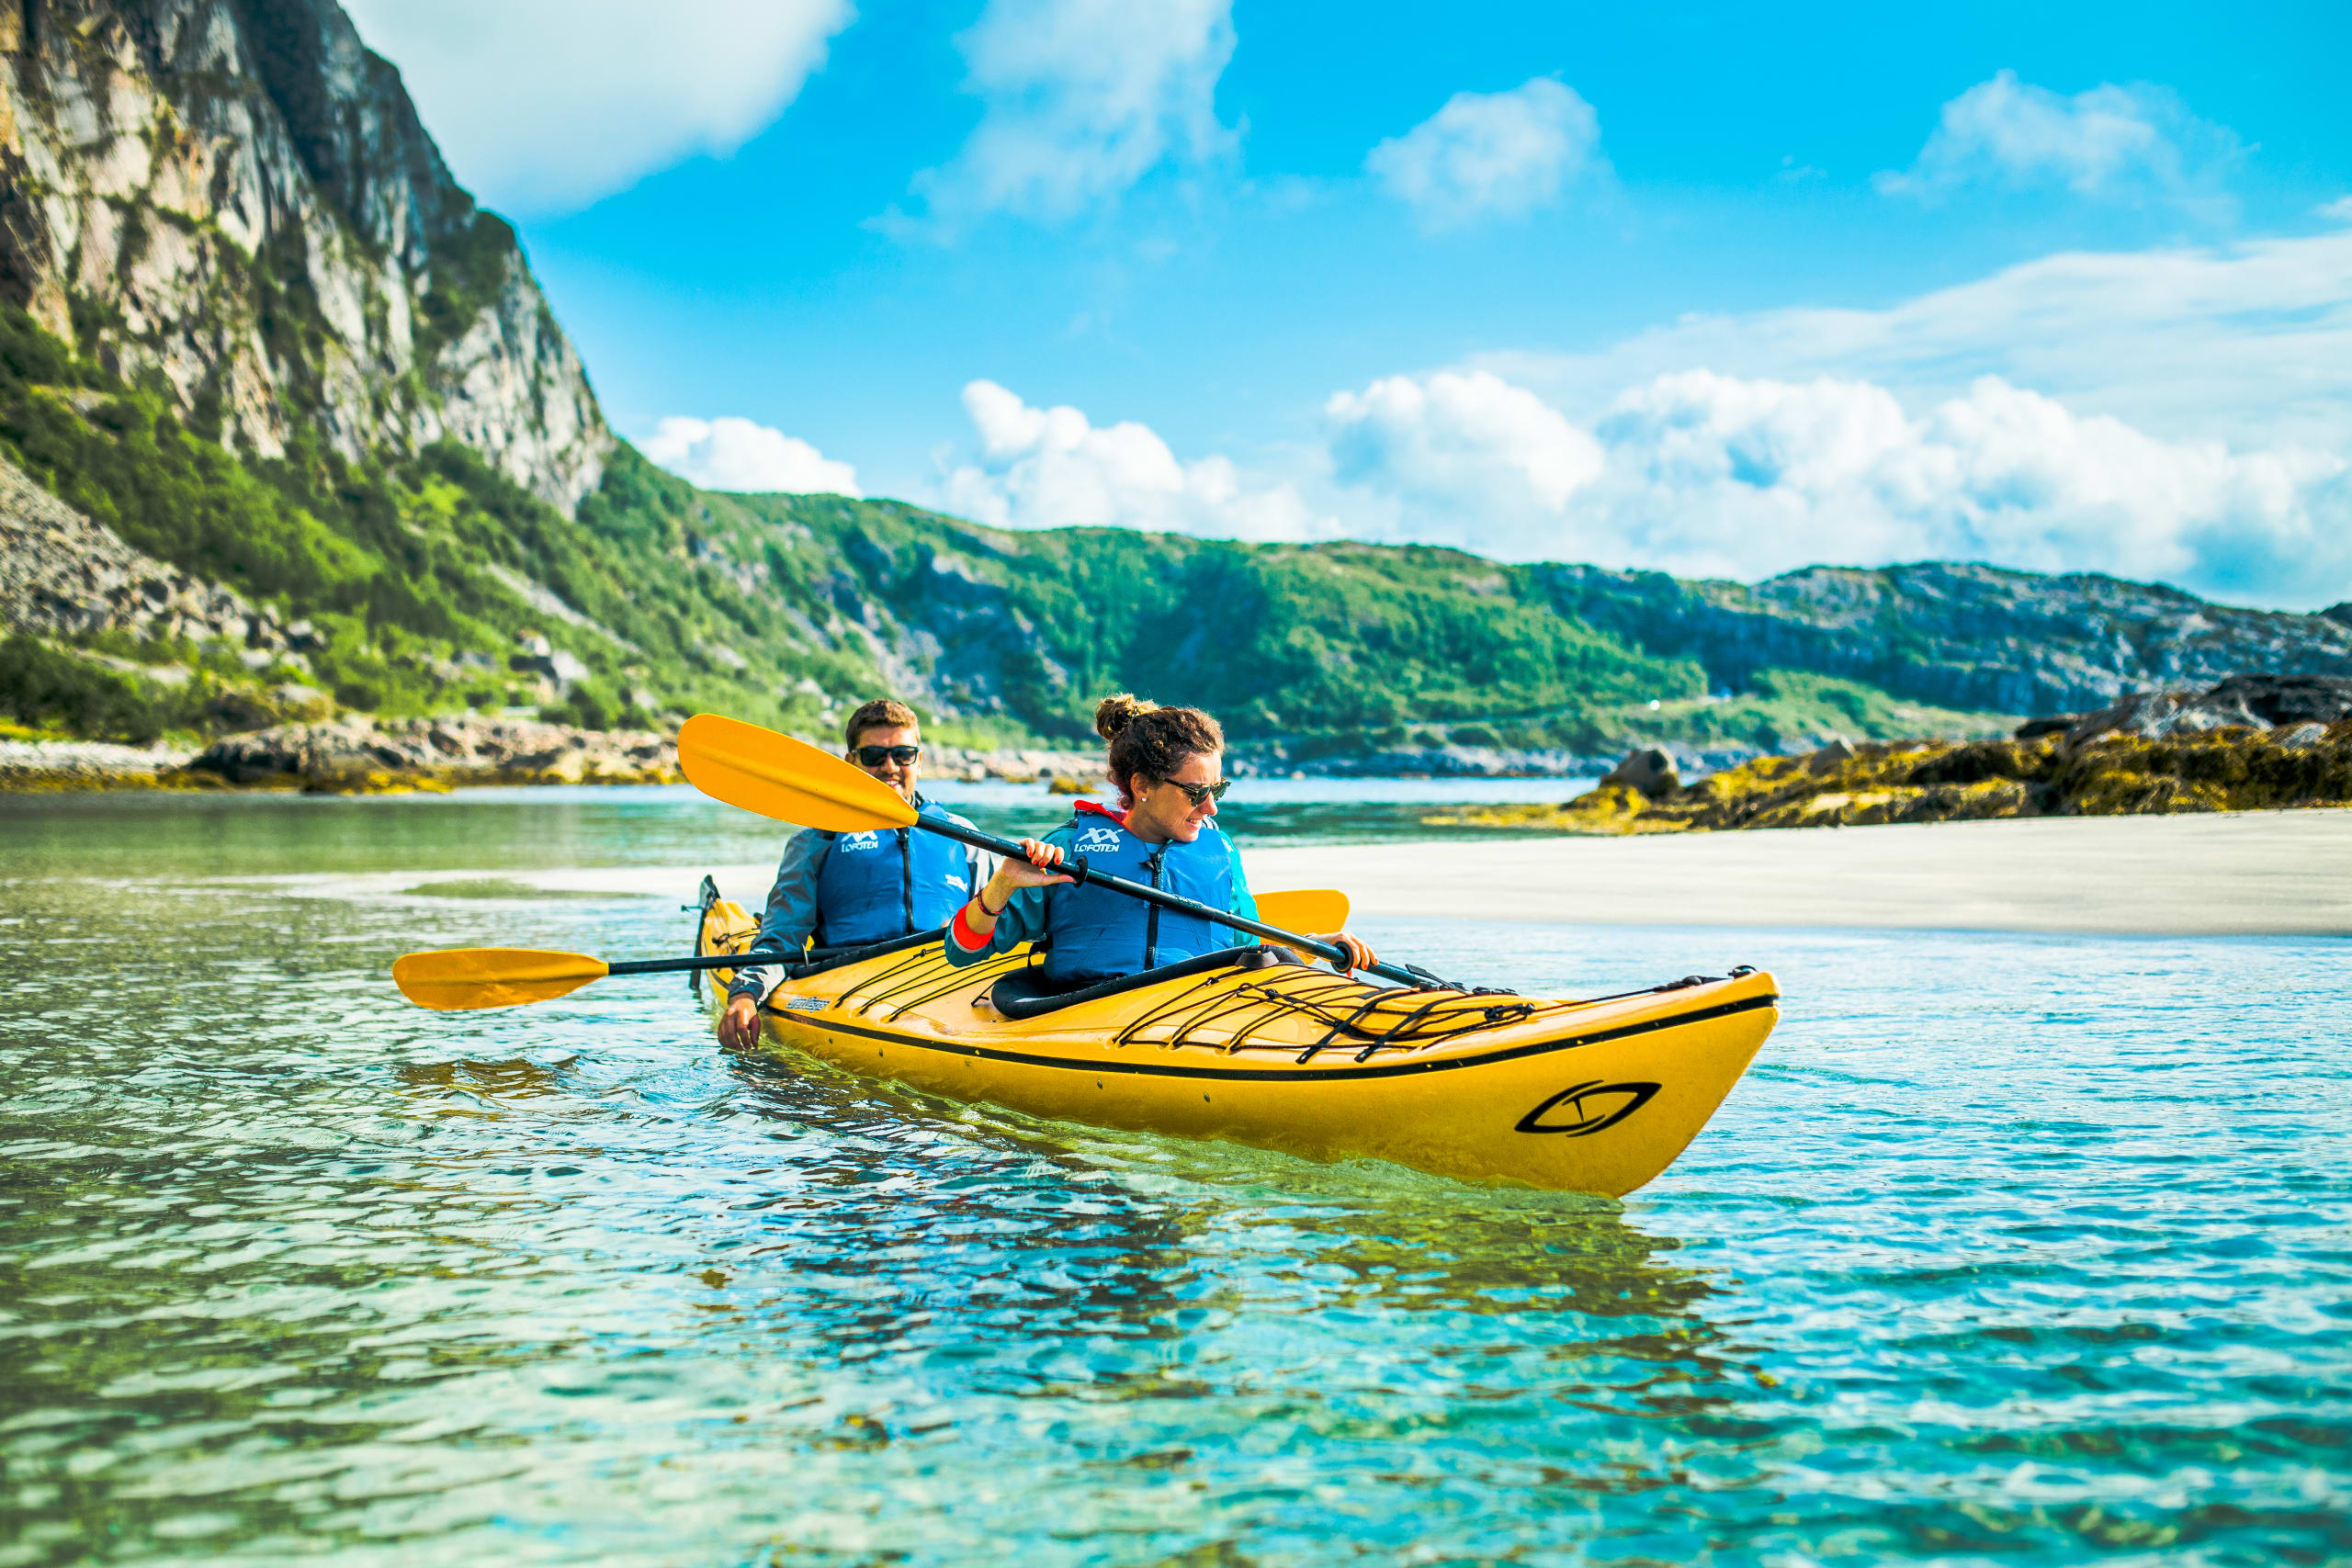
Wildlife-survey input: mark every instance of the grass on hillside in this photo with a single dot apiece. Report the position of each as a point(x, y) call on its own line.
point(1795, 708)
point(45, 692)
point(1316, 650)
point(397, 563)
point(788, 610)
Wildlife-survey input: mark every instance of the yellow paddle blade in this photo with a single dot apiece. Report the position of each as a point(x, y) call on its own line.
point(1313, 911)
point(457, 979)
point(775, 775)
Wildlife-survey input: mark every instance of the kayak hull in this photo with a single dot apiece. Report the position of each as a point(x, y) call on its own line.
point(1593, 1097)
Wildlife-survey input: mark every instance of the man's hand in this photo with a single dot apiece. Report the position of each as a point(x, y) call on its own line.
point(1359, 955)
point(738, 1026)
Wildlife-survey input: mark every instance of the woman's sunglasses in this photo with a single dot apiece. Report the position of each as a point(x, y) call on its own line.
point(1197, 794)
point(871, 756)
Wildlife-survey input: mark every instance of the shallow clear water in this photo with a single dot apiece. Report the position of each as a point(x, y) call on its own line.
point(2009, 1249)
point(537, 828)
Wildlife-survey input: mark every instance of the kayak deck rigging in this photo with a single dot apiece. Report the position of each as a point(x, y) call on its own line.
point(1217, 1011)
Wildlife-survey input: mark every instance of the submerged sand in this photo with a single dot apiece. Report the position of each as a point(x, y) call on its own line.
point(2256, 873)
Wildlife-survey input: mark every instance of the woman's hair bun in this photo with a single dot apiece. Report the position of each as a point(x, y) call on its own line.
point(1113, 713)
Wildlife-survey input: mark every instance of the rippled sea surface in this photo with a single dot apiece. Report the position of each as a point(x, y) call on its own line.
point(2008, 1250)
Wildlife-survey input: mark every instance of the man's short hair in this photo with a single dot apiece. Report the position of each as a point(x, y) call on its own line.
point(882, 712)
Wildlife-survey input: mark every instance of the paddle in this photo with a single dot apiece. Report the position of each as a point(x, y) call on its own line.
point(458, 979)
point(462, 980)
point(773, 775)
point(1320, 910)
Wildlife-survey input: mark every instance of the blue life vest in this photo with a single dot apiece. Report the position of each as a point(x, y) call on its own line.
point(1097, 933)
point(889, 883)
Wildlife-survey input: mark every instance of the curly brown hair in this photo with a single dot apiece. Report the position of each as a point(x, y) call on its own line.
point(1150, 742)
point(882, 712)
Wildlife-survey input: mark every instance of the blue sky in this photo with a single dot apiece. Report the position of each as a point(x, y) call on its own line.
point(1716, 288)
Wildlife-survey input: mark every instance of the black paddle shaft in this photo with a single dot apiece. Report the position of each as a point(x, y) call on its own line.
point(794, 964)
point(1076, 868)
point(688, 966)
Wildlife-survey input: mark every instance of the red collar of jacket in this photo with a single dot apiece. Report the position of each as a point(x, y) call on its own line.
point(1096, 808)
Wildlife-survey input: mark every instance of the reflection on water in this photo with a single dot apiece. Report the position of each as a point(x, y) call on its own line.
point(2017, 1249)
point(260, 835)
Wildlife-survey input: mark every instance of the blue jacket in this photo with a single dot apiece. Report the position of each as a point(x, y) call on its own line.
point(844, 889)
point(1094, 933)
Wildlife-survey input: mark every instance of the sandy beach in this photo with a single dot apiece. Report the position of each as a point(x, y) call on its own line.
point(2240, 873)
point(2262, 872)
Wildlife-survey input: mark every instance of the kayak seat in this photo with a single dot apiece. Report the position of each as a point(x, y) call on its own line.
point(1027, 993)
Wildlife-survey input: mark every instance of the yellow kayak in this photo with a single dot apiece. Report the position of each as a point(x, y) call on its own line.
point(1249, 1046)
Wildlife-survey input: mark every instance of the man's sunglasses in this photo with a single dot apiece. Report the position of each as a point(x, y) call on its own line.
point(871, 756)
point(1197, 794)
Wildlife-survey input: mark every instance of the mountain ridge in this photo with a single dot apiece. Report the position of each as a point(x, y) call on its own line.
point(2066, 642)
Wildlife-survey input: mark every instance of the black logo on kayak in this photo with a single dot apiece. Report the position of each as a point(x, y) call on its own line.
point(1587, 1109)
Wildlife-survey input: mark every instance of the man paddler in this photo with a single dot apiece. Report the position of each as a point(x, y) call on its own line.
point(848, 889)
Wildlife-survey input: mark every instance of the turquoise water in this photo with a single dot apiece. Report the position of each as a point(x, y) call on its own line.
point(540, 828)
point(2009, 1250)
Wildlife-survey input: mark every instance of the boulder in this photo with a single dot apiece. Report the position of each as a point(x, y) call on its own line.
point(2249, 702)
point(2276, 700)
point(298, 701)
point(1828, 757)
point(562, 669)
point(1646, 769)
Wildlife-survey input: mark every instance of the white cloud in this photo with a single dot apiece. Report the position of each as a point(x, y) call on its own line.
point(1709, 472)
point(2249, 343)
point(1492, 154)
point(2132, 143)
point(1053, 467)
point(737, 455)
point(1702, 473)
point(1470, 441)
point(543, 106)
point(1085, 98)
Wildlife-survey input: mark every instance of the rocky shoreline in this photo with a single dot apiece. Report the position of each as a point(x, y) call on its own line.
point(360, 755)
point(366, 756)
point(2250, 743)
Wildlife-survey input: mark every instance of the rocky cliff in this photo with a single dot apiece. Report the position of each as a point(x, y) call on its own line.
point(233, 200)
point(1963, 635)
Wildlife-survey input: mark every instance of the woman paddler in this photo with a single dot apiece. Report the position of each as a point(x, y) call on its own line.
point(1168, 766)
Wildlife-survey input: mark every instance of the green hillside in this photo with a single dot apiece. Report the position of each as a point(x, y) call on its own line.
point(786, 609)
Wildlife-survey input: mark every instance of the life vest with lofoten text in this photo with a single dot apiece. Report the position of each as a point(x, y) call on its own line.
point(1096, 933)
point(887, 882)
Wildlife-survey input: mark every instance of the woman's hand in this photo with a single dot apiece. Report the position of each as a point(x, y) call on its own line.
point(1359, 955)
point(738, 1026)
point(1040, 870)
